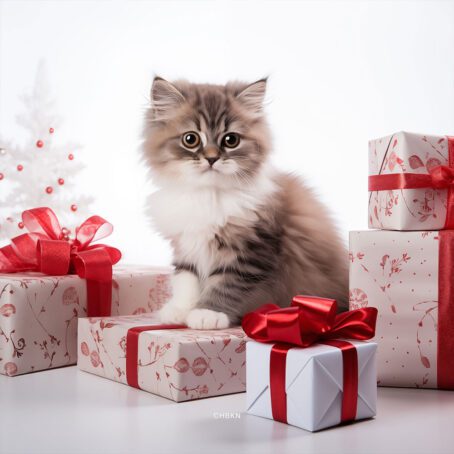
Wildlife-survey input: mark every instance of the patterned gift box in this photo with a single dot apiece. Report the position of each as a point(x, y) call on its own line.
point(407, 276)
point(38, 313)
point(179, 364)
point(408, 190)
point(314, 385)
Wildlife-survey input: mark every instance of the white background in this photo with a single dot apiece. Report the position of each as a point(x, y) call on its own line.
point(341, 73)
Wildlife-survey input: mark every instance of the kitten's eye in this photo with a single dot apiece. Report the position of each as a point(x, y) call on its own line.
point(191, 139)
point(231, 140)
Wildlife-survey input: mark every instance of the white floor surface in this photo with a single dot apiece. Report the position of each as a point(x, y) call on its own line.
point(69, 411)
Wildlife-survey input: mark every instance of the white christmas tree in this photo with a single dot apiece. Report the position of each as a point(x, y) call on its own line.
point(42, 169)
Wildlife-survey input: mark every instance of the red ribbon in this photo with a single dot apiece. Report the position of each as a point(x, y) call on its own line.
point(132, 350)
point(445, 347)
point(439, 177)
point(307, 321)
point(48, 250)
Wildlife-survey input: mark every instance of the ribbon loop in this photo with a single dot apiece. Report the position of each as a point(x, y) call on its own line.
point(358, 324)
point(283, 324)
point(42, 220)
point(93, 229)
point(24, 246)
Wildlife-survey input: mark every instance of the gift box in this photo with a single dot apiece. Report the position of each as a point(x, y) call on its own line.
point(38, 313)
point(410, 182)
point(49, 279)
point(168, 360)
point(407, 276)
point(313, 384)
point(302, 371)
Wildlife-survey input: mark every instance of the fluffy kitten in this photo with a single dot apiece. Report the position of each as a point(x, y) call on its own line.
point(243, 234)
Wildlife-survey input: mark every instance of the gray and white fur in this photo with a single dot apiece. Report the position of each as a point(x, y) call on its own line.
point(243, 234)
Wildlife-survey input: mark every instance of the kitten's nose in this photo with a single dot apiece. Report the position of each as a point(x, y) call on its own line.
point(211, 161)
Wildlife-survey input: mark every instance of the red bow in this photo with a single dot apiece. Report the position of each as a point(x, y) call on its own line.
point(46, 249)
point(308, 320)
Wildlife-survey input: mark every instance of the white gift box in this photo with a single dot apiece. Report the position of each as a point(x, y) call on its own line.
point(313, 383)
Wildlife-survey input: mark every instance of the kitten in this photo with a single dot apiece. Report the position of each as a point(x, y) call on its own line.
point(243, 234)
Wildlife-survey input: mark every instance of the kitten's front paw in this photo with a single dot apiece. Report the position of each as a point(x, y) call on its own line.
point(171, 313)
point(207, 319)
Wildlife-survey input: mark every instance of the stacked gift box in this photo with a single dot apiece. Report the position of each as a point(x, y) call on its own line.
point(404, 268)
point(39, 313)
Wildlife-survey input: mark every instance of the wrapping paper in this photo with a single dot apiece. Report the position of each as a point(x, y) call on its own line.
point(38, 313)
point(408, 209)
point(399, 273)
point(179, 364)
point(313, 383)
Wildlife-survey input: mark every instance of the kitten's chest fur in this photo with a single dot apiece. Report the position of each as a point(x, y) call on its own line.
point(206, 226)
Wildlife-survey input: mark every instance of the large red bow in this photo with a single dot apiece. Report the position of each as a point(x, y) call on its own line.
point(46, 249)
point(308, 320)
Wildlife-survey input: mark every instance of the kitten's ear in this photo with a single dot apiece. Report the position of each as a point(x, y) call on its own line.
point(253, 95)
point(165, 97)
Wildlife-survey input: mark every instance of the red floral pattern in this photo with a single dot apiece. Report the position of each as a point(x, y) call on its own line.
point(7, 310)
point(70, 296)
point(84, 349)
point(177, 364)
point(95, 358)
point(357, 299)
point(398, 274)
point(10, 369)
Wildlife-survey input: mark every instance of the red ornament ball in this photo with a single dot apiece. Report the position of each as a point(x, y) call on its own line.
point(1, 176)
point(51, 130)
point(20, 225)
point(70, 156)
point(49, 189)
point(40, 144)
point(73, 207)
point(20, 167)
point(61, 181)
